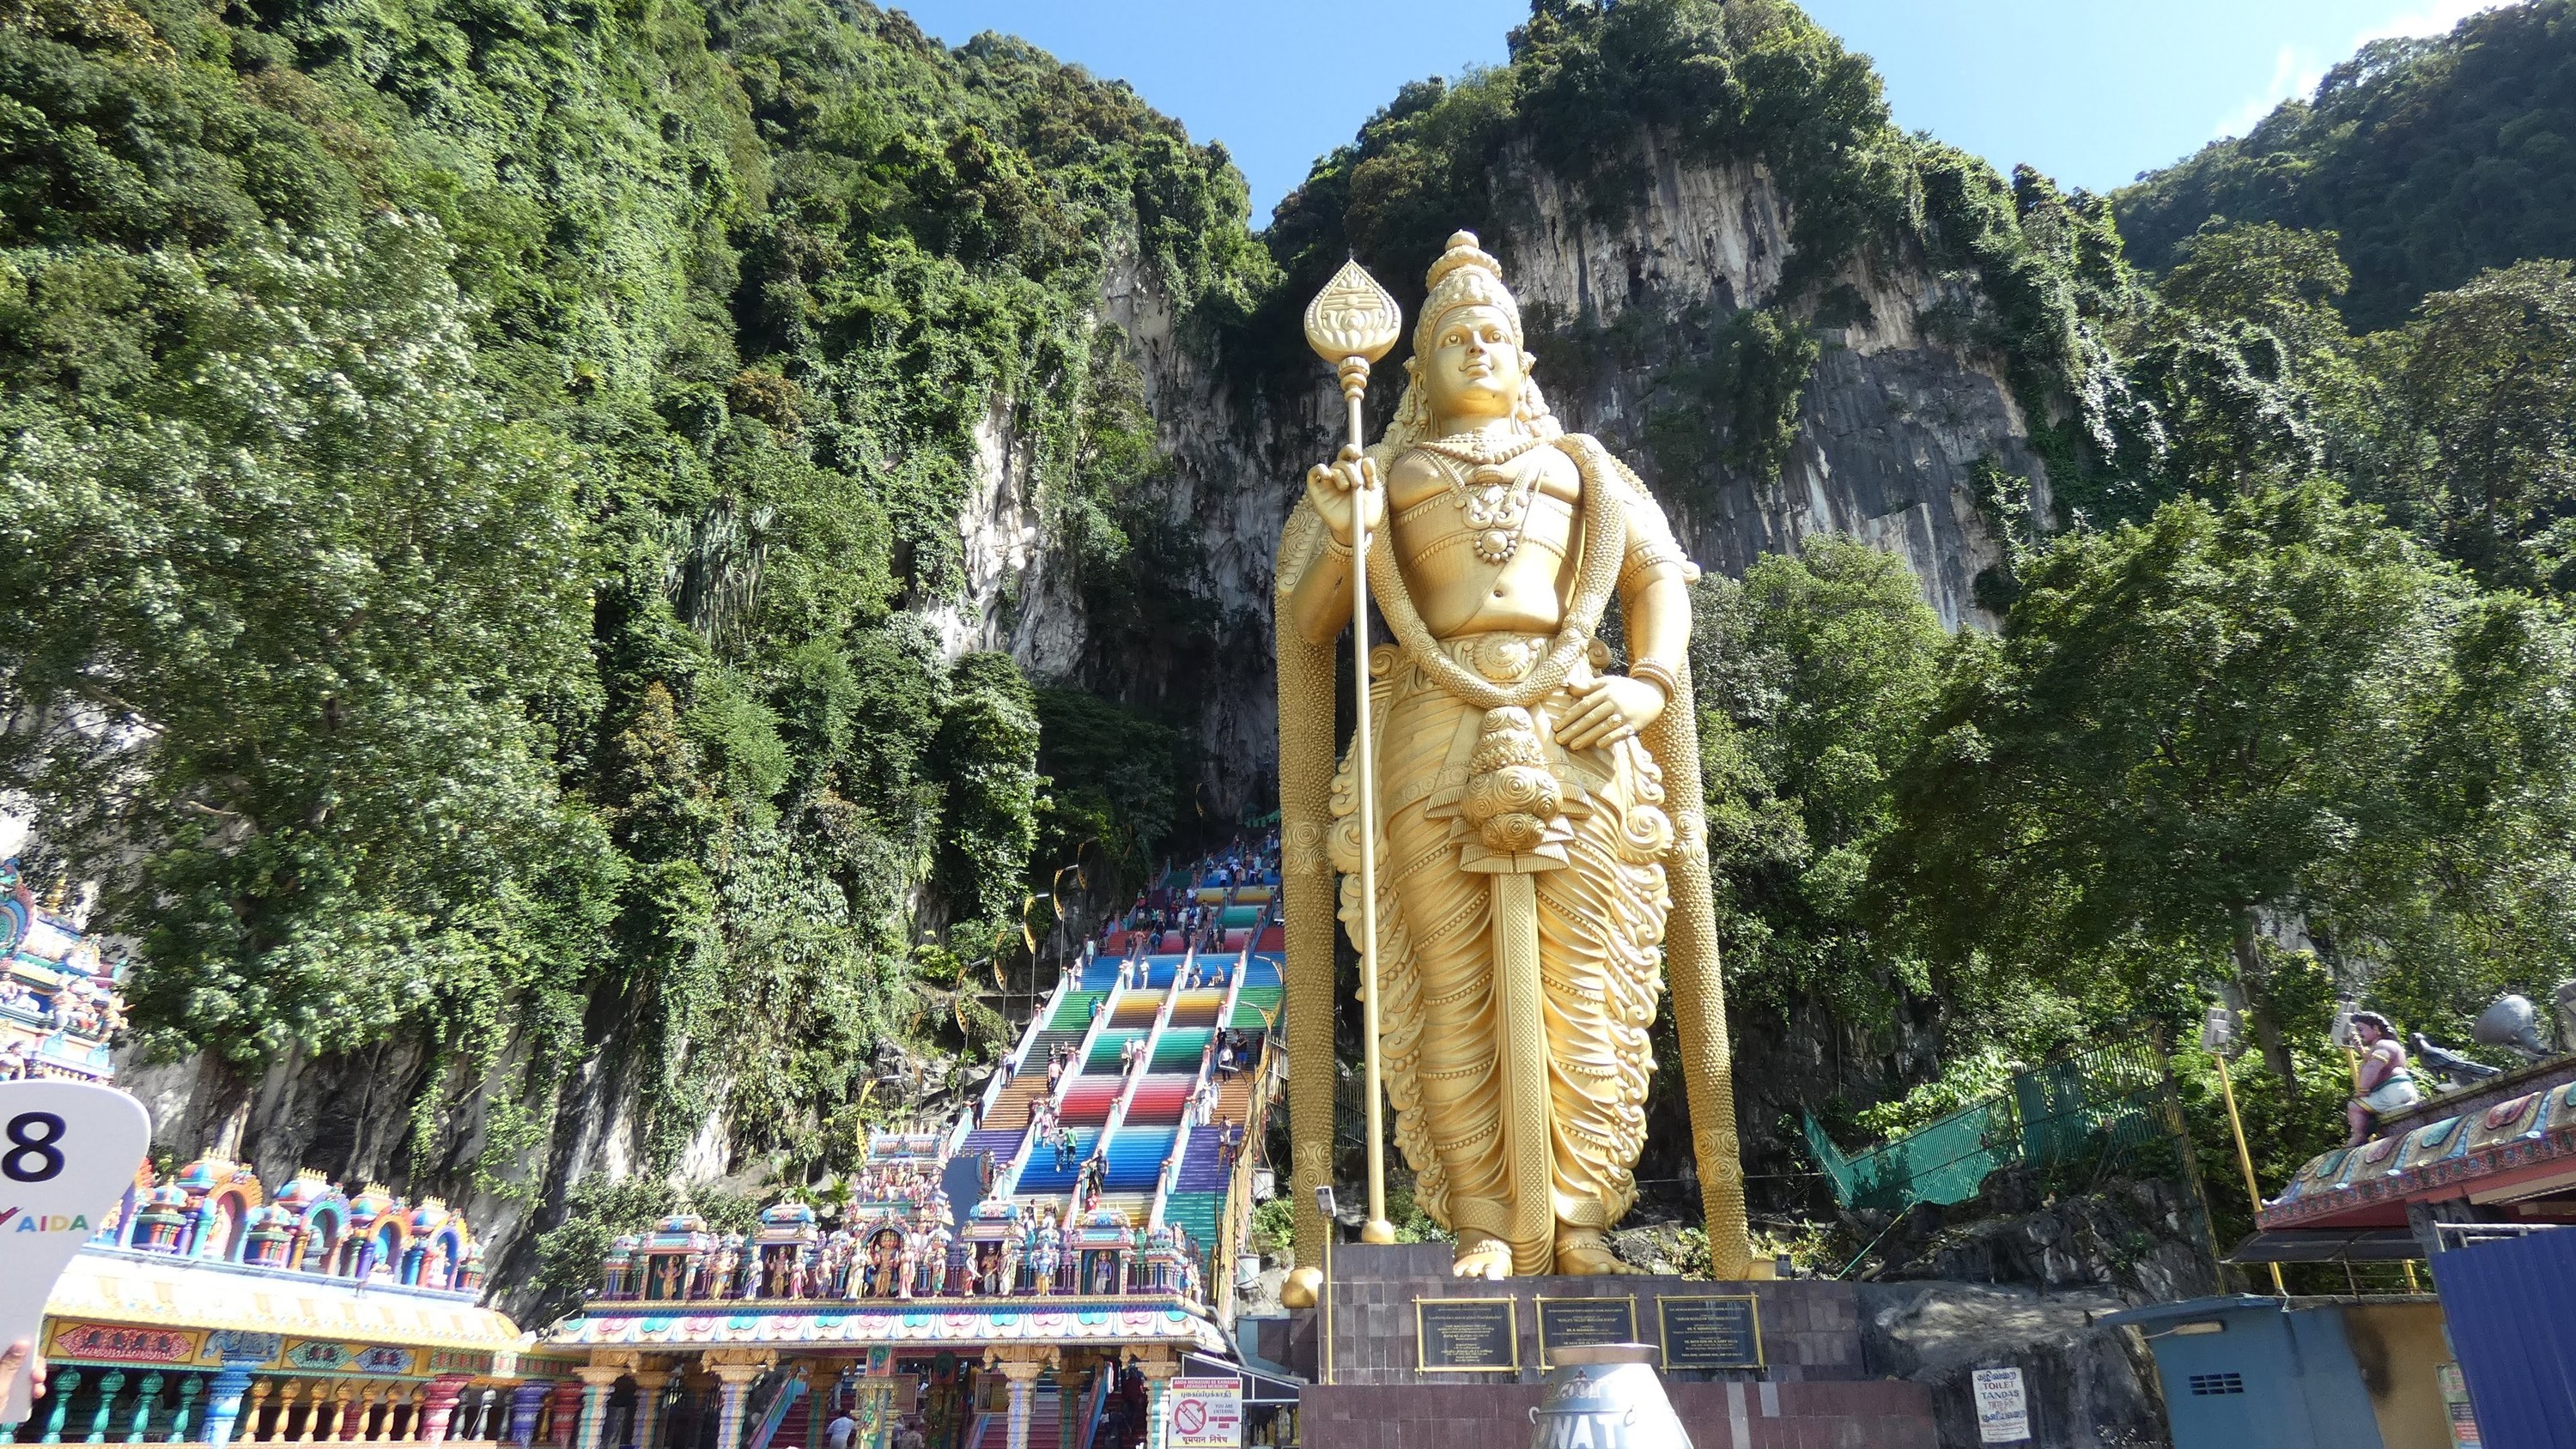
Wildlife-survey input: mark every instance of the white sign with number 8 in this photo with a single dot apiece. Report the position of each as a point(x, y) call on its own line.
point(68, 1151)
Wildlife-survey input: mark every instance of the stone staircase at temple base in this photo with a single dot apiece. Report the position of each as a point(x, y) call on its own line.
point(1130, 1107)
point(1046, 1424)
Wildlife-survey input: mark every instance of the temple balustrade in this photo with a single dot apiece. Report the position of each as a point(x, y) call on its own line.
point(90, 1404)
point(898, 1252)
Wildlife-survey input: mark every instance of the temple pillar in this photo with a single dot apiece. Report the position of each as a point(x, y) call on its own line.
point(438, 1405)
point(526, 1402)
point(223, 1403)
point(598, 1381)
point(1021, 1366)
point(735, 1372)
point(1068, 1399)
point(648, 1406)
point(875, 1413)
point(1159, 1373)
point(565, 1416)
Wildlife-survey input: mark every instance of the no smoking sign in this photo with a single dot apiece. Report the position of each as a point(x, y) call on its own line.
point(1207, 1413)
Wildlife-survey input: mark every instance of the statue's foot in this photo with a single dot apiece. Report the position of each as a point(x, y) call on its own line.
point(1482, 1258)
point(1584, 1251)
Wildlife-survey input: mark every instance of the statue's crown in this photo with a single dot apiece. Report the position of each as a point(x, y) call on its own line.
point(1465, 276)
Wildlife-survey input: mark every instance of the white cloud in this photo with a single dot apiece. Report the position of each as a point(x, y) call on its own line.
point(2296, 72)
point(2433, 17)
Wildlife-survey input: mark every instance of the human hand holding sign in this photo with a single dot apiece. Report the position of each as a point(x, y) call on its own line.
point(67, 1152)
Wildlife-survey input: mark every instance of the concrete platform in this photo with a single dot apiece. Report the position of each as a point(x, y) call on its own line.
point(1370, 1389)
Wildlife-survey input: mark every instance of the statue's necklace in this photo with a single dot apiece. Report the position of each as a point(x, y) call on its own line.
point(1495, 497)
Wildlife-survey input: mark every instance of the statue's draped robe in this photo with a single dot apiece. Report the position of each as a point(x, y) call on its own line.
point(1594, 895)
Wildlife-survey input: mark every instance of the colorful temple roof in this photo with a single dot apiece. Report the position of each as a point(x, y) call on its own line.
point(117, 1286)
point(2509, 1144)
point(926, 1323)
point(59, 1006)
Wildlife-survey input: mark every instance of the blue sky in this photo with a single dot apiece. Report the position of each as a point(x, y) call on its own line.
point(2090, 91)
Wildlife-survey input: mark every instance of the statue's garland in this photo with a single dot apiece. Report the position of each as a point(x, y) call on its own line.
point(1605, 522)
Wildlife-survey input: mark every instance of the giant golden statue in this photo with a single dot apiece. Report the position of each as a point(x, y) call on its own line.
point(1540, 854)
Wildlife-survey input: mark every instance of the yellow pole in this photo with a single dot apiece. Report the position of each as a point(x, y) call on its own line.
point(2245, 1158)
point(1377, 1229)
point(1351, 324)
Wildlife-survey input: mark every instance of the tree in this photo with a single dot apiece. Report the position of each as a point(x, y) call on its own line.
point(2434, 158)
point(276, 616)
point(2277, 278)
point(2185, 724)
point(2486, 378)
point(1814, 673)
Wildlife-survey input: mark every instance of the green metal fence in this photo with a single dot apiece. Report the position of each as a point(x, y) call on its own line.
point(2081, 1110)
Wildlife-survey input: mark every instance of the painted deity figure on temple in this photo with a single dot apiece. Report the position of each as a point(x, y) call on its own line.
point(909, 1262)
point(666, 1275)
point(941, 1242)
point(833, 1264)
point(1015, 1247)
point(796, 1272)
point(1523, 826)
point(1046, 1248)
point(728, 1258)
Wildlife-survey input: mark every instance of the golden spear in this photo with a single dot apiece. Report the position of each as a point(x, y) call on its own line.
point(1350, 324)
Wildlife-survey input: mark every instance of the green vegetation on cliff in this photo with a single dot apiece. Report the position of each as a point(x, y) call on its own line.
point(2435, 159)
point(466, 470)
point(1594, 94)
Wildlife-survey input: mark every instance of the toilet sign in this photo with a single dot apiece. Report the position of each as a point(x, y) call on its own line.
point(1206, 1414)
point(2003, 1411)
point(68, 1152)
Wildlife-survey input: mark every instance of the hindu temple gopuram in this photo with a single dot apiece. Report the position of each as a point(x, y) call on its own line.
point(1033, 1277)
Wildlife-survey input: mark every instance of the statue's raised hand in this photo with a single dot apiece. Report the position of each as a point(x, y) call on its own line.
point(1349, 482)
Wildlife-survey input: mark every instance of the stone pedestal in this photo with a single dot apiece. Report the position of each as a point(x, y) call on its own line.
point(1362, 1346)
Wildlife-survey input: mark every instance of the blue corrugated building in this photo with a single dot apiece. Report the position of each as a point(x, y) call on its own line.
point(2299, 1373)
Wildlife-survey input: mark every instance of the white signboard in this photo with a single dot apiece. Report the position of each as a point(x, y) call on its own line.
point(68, 1152)
point(2003, 1412)
point(1206, 1414)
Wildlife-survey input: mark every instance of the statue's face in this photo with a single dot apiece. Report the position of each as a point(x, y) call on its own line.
point(1475, 371)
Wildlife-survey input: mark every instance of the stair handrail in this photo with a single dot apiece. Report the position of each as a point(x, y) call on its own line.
point(1238, 1191)
point(1169, 1182)
point(1055, 1095)
point(999, 1081)
point(1100, 1385)
point(1135, 1078)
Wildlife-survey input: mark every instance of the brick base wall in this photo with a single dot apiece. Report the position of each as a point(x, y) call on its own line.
point(1874, 1414)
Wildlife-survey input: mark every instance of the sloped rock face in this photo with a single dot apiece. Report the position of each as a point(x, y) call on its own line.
point(2086, 1386)
point(1892, 421)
